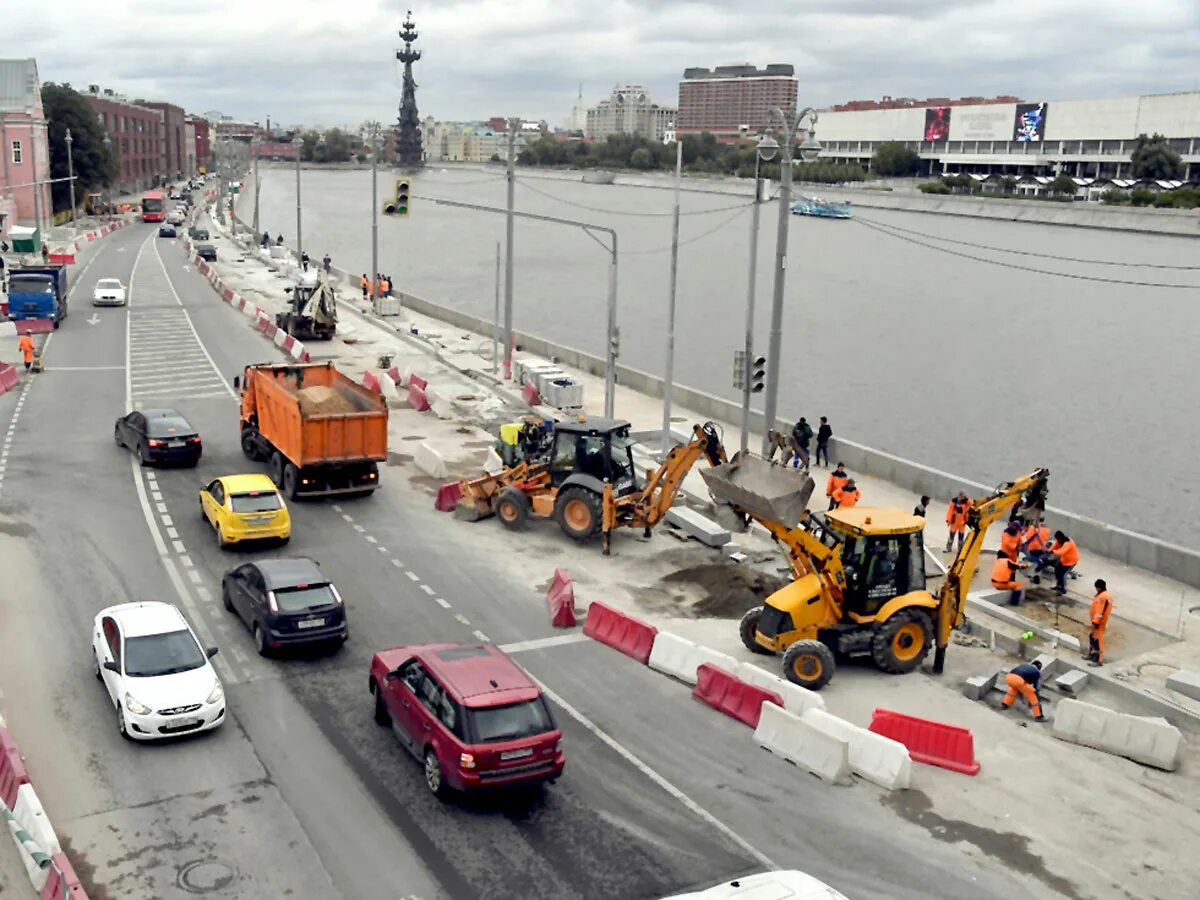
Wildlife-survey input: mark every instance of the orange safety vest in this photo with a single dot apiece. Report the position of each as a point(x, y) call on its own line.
point(1068, 553)
point(956, 514)
point(1101, 608)
point(1036, 539)
point(835, 482)
point(1003, 572)
point(847, 499)
point(25, 345)
point(362, 282)
point(385, 286)
point(1009, 543)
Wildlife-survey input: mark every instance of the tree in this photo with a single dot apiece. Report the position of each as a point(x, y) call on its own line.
point(641, 158)
point(1008, 184)
point(95, 165)
point(893, 158)
point(1064, 185)
point(1154, 158)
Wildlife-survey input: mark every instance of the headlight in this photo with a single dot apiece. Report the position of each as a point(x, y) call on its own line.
point(216, 694)
point(138, 709)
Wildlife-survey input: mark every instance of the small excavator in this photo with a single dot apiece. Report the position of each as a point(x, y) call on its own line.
point(312, 313)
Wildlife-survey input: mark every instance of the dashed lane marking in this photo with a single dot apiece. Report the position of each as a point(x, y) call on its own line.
point(397, 564)
point(412, 576)
point(460, 618)
point(427, 589)
point(371, 539)
point(479, 635)
point(382, 549)
point(444, 604)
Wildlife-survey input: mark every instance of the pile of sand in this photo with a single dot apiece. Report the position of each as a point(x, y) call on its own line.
point(320, 400)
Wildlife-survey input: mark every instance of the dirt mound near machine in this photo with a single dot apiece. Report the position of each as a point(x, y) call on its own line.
point(756, 487)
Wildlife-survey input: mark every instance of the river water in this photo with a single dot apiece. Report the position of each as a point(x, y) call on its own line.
point(986, 370)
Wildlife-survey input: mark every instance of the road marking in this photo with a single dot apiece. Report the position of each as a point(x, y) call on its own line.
point(444, 604)
point(166, 520)
point(156, 495)
point(179, 548)
point(336, 507)
point(89, 368)
point(412, 576)
point(427, 589)
point(173, 534)
point(382, 549)
point(347, 517)
point(195, 576)
point(461, 618)
point(397, 564)
point(187, 561)
point(359, 528)
point(481, 636)
point(558, 640)
point(371, 539)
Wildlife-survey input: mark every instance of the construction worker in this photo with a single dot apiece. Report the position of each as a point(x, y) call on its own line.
point(45, 254)
point(1102, 605)
point(326, 263)
point(1010, 539)
point(385, 287)
point(266, 238)
point(801, 434)
point(1034, 541)
point(847, 495)
point(1004, 576)
point(365, 284)
point(956, 518)
point(304, 260)
point(1024, 680)
point(920, 508)
point(824, 433)
point(25, 345)
point(1064, 554)
point(837, 479)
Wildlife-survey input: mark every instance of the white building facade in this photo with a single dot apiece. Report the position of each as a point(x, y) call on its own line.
point(629, 110)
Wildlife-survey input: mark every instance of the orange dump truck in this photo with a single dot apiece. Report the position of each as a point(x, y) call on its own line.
point(319, 432)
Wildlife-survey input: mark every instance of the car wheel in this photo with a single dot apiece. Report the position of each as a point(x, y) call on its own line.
point(275, 469)
point(291, 480)
point(141, 456)
point(433, 774)
point(121, 727)
point(225, 601)
point(203, 514)
point(382, 716)
point(221, 538)
point(117, 437)
point(99, 677)
point(260, 641)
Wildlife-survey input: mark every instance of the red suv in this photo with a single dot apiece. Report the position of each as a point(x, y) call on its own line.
point(469, 713)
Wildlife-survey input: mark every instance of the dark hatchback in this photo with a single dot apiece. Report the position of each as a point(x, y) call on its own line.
point(159, 437)
point(285, 602)
point(207, 252)
point(166, 231)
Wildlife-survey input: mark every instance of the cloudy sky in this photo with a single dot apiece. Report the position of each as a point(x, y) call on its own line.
point(322, 62)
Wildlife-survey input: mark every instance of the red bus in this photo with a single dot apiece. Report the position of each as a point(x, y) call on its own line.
point(154, 206)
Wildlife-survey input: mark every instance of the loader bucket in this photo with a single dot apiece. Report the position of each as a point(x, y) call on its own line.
point(755, 487)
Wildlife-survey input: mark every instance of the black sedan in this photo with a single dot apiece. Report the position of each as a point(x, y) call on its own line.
point(201, 234)
point(159, 436)
point(166, 231)
point(285, 602)
point(207, 252)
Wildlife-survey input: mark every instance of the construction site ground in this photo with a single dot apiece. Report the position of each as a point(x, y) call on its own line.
point(1036, 799)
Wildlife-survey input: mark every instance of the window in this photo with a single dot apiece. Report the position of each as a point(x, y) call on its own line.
point(112, 637)
point(162, 654)
point(255, 501)
point(218, 492)
point(412, 673)
point(516, 720)
point(16, 152)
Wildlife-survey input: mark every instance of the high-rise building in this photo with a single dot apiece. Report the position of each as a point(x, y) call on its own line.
point(23, 146)
point(136, 133)
point(577, 120)
point(629, 110)
point(730, 101)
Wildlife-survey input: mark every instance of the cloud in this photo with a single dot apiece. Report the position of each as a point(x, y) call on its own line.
point(314, 62)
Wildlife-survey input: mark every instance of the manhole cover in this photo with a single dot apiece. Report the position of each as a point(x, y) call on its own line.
point(203, 876)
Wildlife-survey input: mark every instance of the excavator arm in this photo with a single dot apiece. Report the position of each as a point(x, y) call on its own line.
point(662, 487)
point(1028, 491)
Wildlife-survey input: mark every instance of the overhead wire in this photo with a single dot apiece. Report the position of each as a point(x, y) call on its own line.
point(622, 212)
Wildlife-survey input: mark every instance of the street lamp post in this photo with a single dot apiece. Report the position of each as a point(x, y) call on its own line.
point(764, 152)
point(254, 145)
point(809, 148)
point(511, 176)
point(298, 143)
point(669, 375)
point(373, 134)
point(71, 180)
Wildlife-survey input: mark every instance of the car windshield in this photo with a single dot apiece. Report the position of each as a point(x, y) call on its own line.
point(300, 599)
point(16, 284)
point(108, 284)
point(506, 723)
point(255, 501)
point(162, 654)
point(168, 425)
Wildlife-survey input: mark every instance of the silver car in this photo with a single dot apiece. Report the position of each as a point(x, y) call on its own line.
point(108, 292)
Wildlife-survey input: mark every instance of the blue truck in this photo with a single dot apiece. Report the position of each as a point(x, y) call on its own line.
point(37, 292)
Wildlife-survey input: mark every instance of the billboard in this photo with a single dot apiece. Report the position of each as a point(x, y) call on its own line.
point(1029, 122)
point(937, 123)
point(991, 122)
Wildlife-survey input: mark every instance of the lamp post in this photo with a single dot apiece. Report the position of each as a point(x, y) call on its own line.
point(71, 181)
point(254, 145)
point(108, 153)
point(299, 145)
point(511, 177)
point(669, 375)
point(373, 132)
point(764, 152)
point(808, 149)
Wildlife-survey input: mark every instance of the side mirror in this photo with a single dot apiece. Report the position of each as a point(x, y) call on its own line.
point(392, 676)
point(112, 667)
point(211, 652)
point(237, 382)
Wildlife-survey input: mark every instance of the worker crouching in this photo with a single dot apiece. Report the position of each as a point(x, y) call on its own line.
point(1004, 576)
point(1024, 680)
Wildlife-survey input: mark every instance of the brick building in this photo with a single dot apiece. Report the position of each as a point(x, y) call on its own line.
point(730, 100)
point(24, 149)
point(174, 134)
point(137, 137)
point(203, 143)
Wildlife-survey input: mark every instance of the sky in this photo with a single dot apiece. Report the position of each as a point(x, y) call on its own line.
point(315, 62)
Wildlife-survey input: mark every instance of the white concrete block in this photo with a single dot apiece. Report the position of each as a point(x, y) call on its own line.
point(978, 686)
point(493, 463)
point(678, 657)
point(1150, 741)
point(700, 527)
point(1186, 683)
point(1072, 681)
point(874, 757)
point(29, 815)
point(439, 402)
point(430, 461)
point(786, 734)
point(796, 699)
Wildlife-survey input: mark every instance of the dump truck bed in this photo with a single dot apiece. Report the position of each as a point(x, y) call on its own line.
point(315, 415)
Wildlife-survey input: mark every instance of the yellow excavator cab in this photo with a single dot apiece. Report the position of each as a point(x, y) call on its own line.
point(864, 520)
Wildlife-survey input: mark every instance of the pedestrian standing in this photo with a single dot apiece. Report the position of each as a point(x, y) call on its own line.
point(1102, 605)
point(1004, 576)
point(45, 254)
point(801, 436)
point(847, 495)
point(304, 260)
point(1065, 554)
point(1024, 680)
point(25, 345)
point(266, 239)
point(824, 433)
point(385, 287)
point(365, 284)
point(279, 241)
point(956, 519)
point(919, 509)
point(326, 263)
point(1010, 539)
point(837, 478)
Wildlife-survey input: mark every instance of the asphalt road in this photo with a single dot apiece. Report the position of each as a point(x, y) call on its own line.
point(300, 794)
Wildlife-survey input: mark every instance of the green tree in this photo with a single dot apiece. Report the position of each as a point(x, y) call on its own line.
point(1141, 197)
point(893, 158)
point(1008, 184)
point(335, 148)
point(95, 165)
point(641, 158)
point(1063, 185)
point(1154, 158)
point(934, 187)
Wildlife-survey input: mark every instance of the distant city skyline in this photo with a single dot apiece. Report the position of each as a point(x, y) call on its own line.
point(306, 61)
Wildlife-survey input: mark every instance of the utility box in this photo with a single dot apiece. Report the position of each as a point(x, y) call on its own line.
point(387, 306)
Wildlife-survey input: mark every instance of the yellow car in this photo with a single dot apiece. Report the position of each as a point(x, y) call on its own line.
point(245, 508)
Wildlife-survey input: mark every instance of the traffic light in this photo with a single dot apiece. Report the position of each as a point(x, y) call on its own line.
point(399, 206)
point(758, 374)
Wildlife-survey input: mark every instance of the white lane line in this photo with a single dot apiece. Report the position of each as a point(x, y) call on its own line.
point(195, 576)
point(239, 654)
point(156, 495)
point(650, 773)
point(427, 589)
point(412, 576)
point(347, 517)
point(397, 564)
point(168, 521)
point(359, 528)
point(459, 617)
point(173, 534)
point(204, 593)
point(337, 507)
point(480, 636)
point(558, 640)
point(382, 549)
point(187, 562)
point(371, 539)
point(179, 548)
point(444, 604)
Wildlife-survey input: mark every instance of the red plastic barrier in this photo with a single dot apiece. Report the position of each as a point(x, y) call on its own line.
point(202, 267)
point(417, 399)
point(415, 380)
point(727, 693)
point(561, 600)
point(289, 345)
point(303, 357)
point(621, 632)
point(62, 259)
point(394, 374)
point(447, 497)
point(371, 382)
point(227, 294)
point(63, 883)
point(8, 377)
point(4, 308)
point(929, 742)
point(12, 770)
point(34, 326)
point(530, 394)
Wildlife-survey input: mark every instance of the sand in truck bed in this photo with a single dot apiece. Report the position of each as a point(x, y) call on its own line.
point(320, 400)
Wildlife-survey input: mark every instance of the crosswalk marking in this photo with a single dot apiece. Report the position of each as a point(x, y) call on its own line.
point(167, 361)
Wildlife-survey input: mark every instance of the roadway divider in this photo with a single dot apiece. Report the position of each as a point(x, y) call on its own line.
point(62, 883)
point(725, 692)
point(796, 699)
point(1150, 741)
point(874, 757)
point(417, 399)
point(12, 768)
point(8, 377)
point(371, 382)
point(929, 742)
point(680, 658)
point(430, 461)
point(40, 842)
point(447, 497)
point(621, 632)
point(560, 598)
point(797, 741)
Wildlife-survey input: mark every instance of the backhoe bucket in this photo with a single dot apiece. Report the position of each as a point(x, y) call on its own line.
point(762, 489)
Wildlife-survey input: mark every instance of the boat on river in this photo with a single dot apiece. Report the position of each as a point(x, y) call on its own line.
point(823, 209)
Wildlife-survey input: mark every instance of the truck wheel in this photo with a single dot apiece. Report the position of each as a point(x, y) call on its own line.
point(902, 642)
point(809, 664)
point(275, 468)
point(578, 512)
point(747, 629)
point(512, 508)
point(291, 480)
point(250, 445)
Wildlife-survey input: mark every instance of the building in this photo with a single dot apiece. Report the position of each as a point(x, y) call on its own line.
point(203, 129)
point(628, 110)
point(24, 147)
point(228, 128)
point(174, 123)
point(730, 101)
point(189, 146)
point(136, 133)
point(1082, 138)
point(577, 120)
point(462, 141)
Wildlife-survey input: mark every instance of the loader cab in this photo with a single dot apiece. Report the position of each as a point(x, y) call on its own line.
point(596, 447)
point(883, 554)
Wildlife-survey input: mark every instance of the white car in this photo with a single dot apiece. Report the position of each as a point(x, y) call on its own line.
point(159, 679)
point(109, 292)
point(781, 885)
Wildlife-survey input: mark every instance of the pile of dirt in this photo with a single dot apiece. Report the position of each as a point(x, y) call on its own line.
point(727, 589)
point(320, 400)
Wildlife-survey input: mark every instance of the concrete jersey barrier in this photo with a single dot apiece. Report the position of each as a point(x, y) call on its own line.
point(1150, 741)
point(680, 658)
point(874, 757)
point(796, 699)
point(30, 816)
point(789, 736)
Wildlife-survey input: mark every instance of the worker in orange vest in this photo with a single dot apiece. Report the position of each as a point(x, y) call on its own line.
point(365, 284)
point(1065, 555)
point(1034, 541)
point(1010, 539)
point(1024, 680)
point(25, 345)
point(837, 479)
point(1004, 576)
point(1102, 605)
point(847, 495)
point(385, 287)
point(956, 518)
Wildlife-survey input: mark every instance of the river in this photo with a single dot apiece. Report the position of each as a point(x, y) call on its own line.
point(986, 370)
